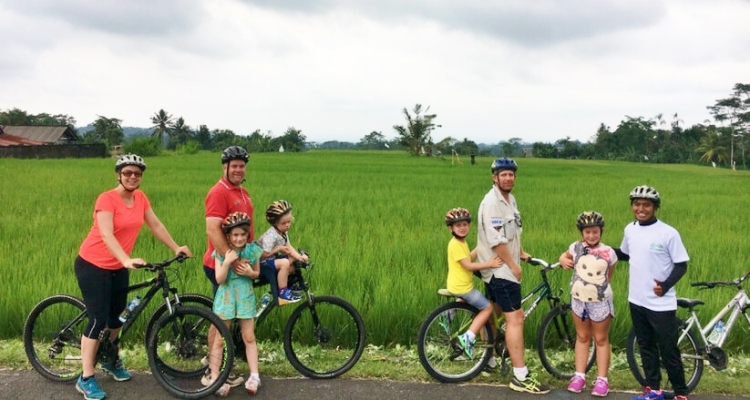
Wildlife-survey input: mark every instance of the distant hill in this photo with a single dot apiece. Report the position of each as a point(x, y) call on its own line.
point(128, 131)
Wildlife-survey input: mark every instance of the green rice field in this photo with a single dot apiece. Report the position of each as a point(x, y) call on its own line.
point(373, 224)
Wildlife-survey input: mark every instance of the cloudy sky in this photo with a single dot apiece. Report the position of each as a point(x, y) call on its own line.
point(491, 70)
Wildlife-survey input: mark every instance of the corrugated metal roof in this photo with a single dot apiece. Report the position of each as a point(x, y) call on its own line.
point(11, 140)
point(43, 134)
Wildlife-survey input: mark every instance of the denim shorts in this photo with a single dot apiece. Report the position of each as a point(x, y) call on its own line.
point(475, 298)
point(506, 294)
point(596, 311)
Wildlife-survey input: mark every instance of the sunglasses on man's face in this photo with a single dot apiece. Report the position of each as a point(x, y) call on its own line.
point(128, 174)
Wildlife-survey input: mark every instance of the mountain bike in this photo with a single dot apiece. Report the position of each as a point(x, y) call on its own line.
point(324, 336)
point(175, 345)
point(695, 348)
point(442, 356)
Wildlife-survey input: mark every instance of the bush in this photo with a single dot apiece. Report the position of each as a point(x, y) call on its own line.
point(143, 146)
point(190, 147)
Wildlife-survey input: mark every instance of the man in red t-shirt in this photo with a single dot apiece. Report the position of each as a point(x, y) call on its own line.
point(225, 197)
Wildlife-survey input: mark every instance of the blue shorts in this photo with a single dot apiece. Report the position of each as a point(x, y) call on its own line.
point(505, 293)
point(270, 262)
point(475, 298)
point(211, 275)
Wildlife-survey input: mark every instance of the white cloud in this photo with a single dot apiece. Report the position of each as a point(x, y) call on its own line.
point(339, 70)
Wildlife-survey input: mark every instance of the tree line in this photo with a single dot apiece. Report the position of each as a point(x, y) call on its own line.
point(723, 141)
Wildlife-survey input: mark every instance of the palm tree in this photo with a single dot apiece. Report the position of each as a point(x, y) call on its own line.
point(181, 132)
point(162, 121)
point(416, 134)
point(712, 148)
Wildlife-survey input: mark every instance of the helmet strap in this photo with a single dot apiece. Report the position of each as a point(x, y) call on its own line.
point(457, 236)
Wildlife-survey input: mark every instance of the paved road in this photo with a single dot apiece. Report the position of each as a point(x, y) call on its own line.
point(22, 385)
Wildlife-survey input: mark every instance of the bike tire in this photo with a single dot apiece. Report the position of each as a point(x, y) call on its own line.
point(437, 343)
point(324, 337)
point(190, 299)
point(52, 337)
point(176, 347)
point(692, 360)
point(556, 340)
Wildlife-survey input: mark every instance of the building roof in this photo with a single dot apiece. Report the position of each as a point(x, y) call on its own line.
point(42, 134)
point(11, 140)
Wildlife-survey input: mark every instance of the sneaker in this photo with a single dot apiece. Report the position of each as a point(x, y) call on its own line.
point(601, 388)
point(528, 385)
point(467, 345)
point(680, 397)
point(290, 297)
point(577, 384)
point(649, 394)
point(252, 385)
point(489, 370)
point(222, 391)
point(90, 389)
point(117, 370)
point(234, 380)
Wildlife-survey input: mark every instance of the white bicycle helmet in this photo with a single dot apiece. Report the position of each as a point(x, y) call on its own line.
point(645, 192)
point(130, 159)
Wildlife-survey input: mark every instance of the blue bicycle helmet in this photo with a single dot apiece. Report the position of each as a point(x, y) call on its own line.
point(502, 164)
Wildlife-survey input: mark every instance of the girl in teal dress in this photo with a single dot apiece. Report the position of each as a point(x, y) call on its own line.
point(235, 298)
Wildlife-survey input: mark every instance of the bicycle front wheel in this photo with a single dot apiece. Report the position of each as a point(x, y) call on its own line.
point(556, 341)
point(692, 361)
point(52, 337)
point(440, 352)
point(196, 300)
point(179, 344)
point(325, 338)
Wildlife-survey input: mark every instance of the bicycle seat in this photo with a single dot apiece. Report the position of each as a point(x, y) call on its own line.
point(689, 303)
point(445, 292)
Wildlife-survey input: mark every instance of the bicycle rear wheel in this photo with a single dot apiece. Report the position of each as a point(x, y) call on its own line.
point(556, 342)
point(440, 353)
point(692, 360)
point(178, 343)
point(52, 337)
point(325, 338)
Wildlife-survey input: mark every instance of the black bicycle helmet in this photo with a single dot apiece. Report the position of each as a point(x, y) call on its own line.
point(589, 218)
point(645, 192)
point(130, 159)
point(234, 153)
point(234, 220)
point(502, 164)
point(457, 214)
point(276, 210)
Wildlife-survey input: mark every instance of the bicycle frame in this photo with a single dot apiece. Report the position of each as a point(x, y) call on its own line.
point(543, 290)
point(736, 305)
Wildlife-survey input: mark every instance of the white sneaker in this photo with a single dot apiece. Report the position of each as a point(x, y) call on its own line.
point(252, 385)
point(233, 380)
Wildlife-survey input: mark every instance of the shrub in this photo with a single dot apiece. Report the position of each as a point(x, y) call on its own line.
point(143, 146)
point(190, 147)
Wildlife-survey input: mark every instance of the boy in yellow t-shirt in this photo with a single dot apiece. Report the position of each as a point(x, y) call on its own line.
point(461, 274)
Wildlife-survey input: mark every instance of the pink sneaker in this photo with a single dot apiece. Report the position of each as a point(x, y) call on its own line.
point(576, 384)
point(601, 388)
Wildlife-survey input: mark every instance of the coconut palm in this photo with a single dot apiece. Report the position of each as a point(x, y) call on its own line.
point(162, 121)
point(712, 148)
point(416, 134)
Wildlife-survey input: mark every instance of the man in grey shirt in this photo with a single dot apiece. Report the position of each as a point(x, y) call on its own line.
point(500, 235)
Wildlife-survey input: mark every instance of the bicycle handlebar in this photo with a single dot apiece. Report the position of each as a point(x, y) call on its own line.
point(542, 263)
point(181, 257)
point(710, 285)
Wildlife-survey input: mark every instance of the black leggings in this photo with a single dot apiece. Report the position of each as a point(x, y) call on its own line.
point(657, 333)
point(104, 294)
